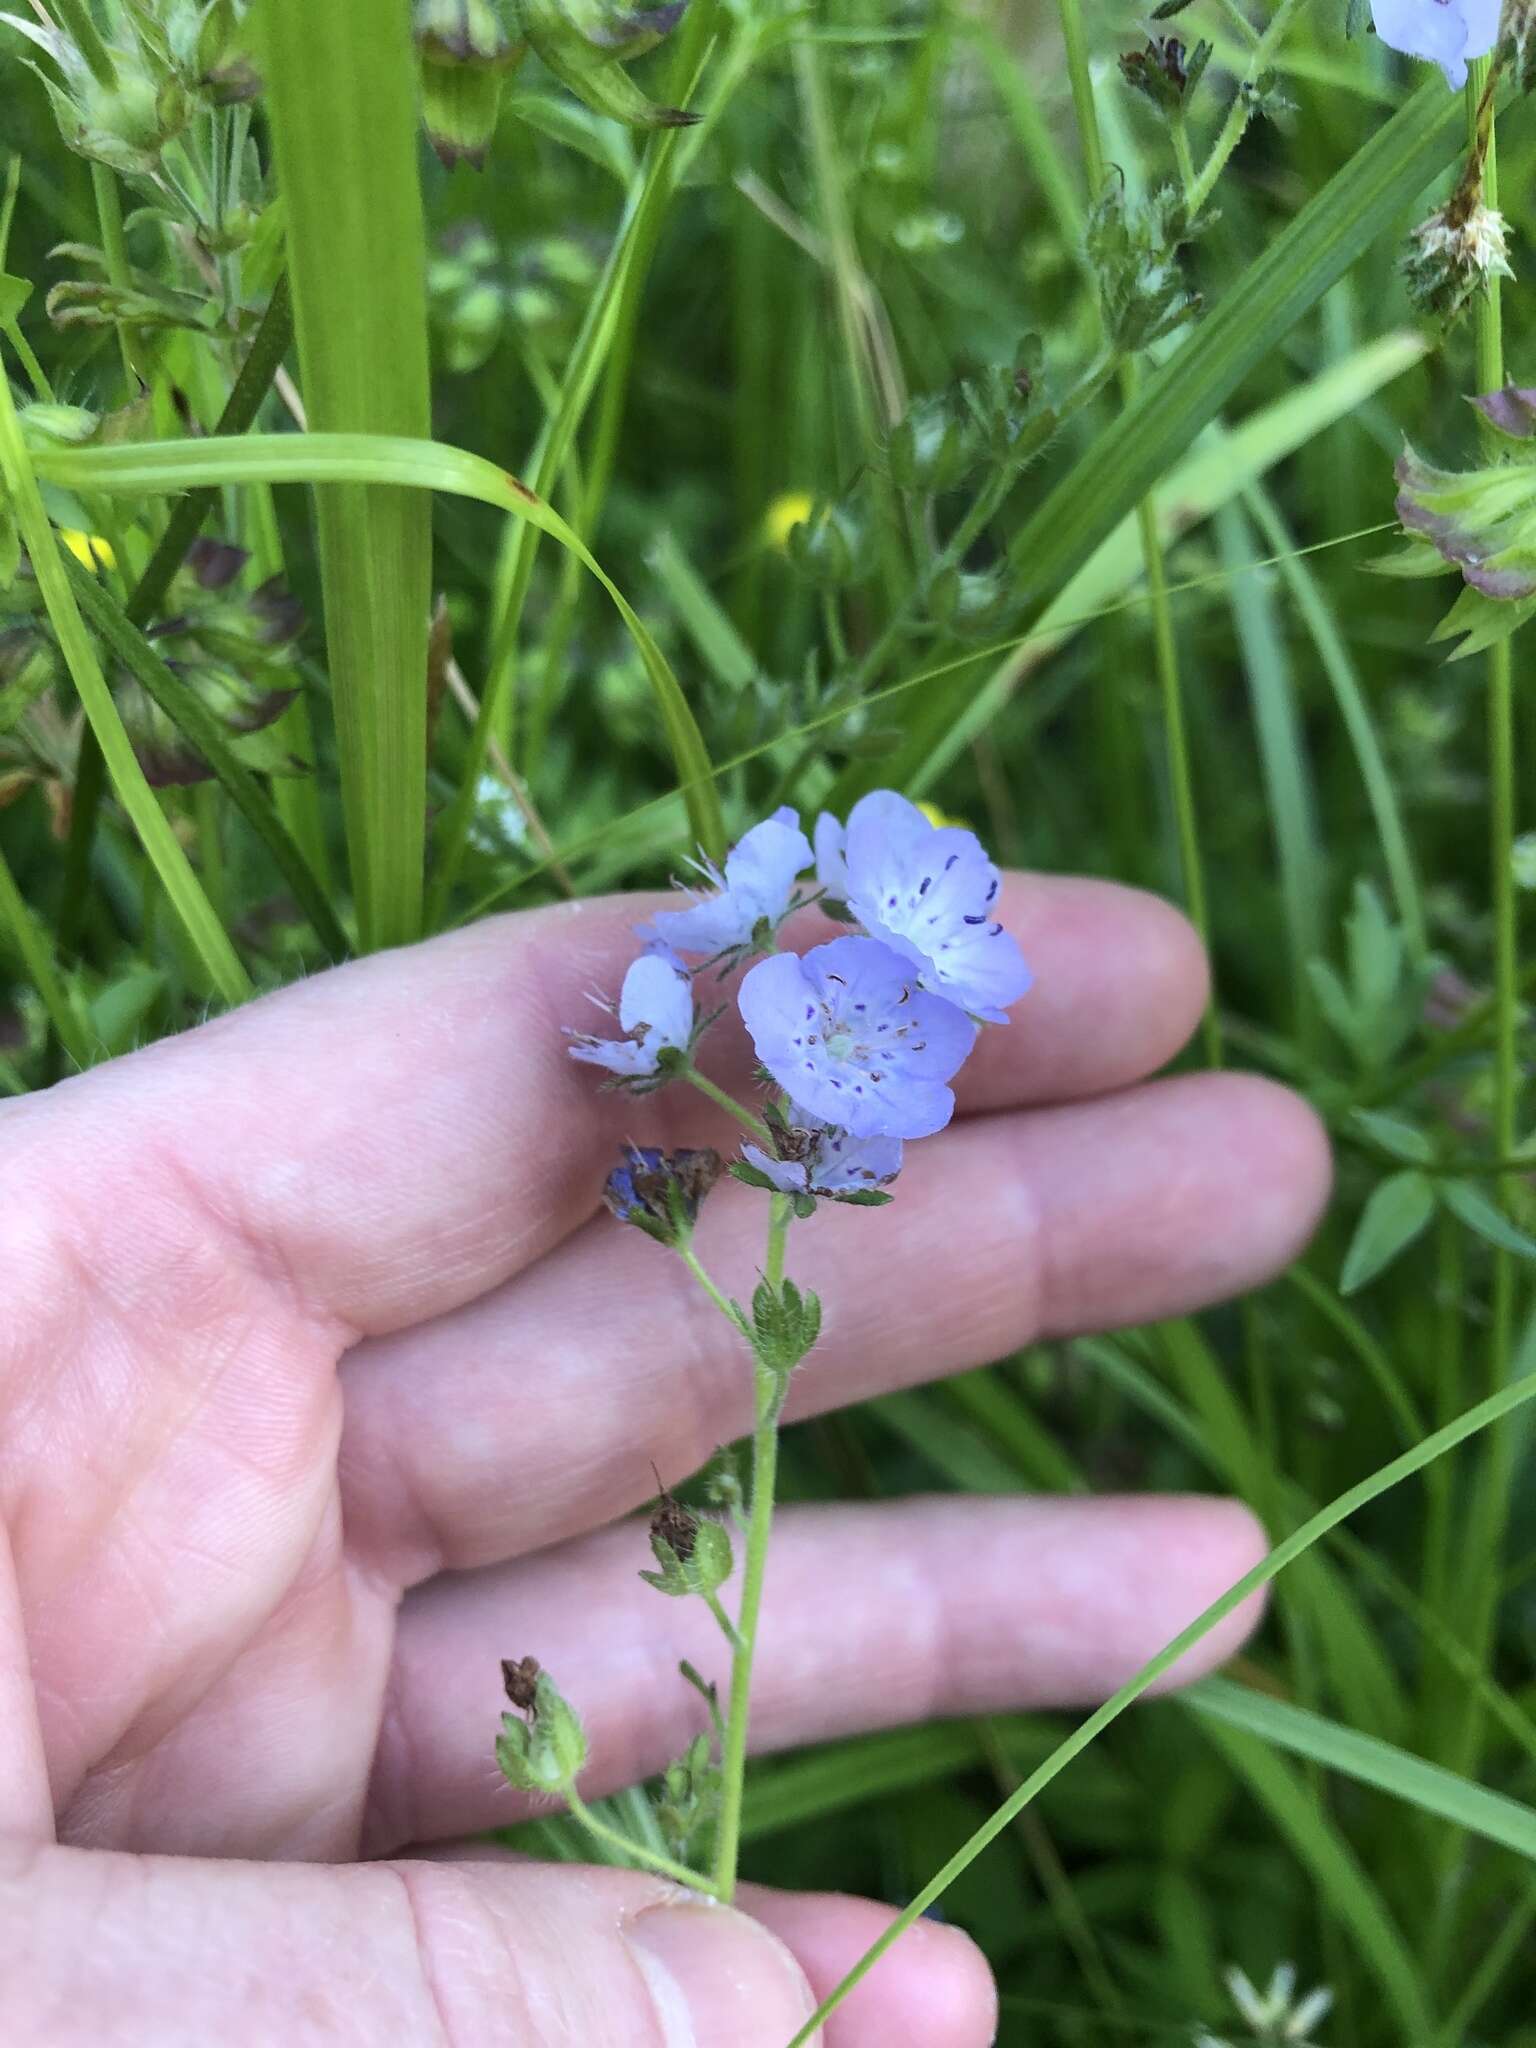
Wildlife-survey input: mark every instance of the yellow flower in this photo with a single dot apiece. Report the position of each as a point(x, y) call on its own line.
point(937, 817)
point(787, 511)
point(88, 549)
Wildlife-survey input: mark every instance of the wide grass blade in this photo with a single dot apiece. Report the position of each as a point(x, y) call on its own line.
point(341, 93)
point(170, 863)
point(1382, 1764)
point(35, 949)
point(418, 466)
point(1282, 749)
point(187, 711)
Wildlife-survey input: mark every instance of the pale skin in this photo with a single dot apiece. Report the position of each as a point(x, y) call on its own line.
point(323, 1387)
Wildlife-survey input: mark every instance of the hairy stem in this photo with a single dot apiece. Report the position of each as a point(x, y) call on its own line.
point(631, 1850)
point(765, 1456)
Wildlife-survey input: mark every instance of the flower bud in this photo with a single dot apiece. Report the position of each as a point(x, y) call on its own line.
point(830, 547)
point(548, 1750)
point(932, 448)
point(466, 56)
point(707, 1564)
point(62, 425)
point(1165, 72)
point(585, 43)
point(971, 603)
point(124, 125)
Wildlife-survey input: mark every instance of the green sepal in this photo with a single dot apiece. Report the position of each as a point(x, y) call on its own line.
point(785, 1325)
point(584, 45)
point(548, 1750)
point(752, 1176)
point(704, 1571)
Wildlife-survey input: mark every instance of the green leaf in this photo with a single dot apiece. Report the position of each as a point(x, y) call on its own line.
point(1397, 1211)
point(1395, 1135)
point(14, 294)
point(419, 466)
point(1485, 1217)
point(1372, 1762)
point(341, 96)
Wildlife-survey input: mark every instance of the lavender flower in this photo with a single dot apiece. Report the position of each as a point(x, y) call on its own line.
point(813, 1158)
point(846, 1032)
point(928, 891)
point(755, 893)
point(656, 1010)
point(831, 867)
point(1445, 32)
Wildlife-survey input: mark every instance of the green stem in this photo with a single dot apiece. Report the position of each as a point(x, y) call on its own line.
point(727, 1626)
point(38, 961)
point(109, 216)
point(1164, 641)
point(739, 1110)
point(1240, 113)
point(633, 1851)
point(1182, 157)
point(1492, 1493)
point(690, 1259)
point(765, 1456)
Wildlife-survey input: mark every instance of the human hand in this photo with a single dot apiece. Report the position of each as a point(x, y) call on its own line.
point(321, 1384)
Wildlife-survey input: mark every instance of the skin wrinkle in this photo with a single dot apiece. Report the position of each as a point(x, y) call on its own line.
point(412, 1880)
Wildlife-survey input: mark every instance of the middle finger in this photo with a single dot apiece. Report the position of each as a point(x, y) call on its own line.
point(540, 1410)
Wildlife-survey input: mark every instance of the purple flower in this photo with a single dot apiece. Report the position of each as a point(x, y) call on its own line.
point(655, 1009)
point(929, 891)
point(812, 1158)
point(846, 1032)
point(754, 893)
point(1446, 32)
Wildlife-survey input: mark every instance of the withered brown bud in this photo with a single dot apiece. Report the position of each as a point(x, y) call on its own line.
point(521, 1681)
point(676, 1525)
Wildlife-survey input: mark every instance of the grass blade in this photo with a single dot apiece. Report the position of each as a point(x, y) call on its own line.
point(186, 710)
point(170, 863)
point(341, 92)
point(1382, 1764)
point(420, 466)
point(1341, 1878)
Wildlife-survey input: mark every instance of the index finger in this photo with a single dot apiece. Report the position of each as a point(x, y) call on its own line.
point(396, 1136)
